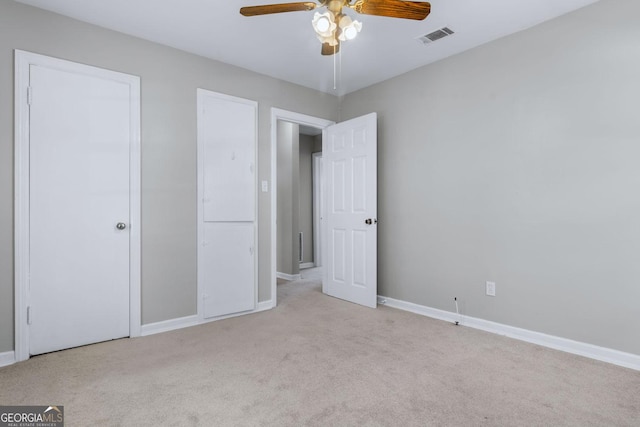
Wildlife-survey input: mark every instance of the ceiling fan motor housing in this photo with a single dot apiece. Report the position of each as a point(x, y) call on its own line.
point(335, 6)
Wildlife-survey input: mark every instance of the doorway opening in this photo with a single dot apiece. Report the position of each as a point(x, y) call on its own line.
point(298, 147)
point(296, 243)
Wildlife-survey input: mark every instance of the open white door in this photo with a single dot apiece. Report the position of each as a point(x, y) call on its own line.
point(350, 168)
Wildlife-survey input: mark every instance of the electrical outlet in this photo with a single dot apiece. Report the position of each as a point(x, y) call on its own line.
point(265, 186)
point(491, 289)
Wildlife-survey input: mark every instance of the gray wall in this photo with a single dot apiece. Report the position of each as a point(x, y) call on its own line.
point(287, 159)
point(169, 79)
point(517, 162)
point(306, 196)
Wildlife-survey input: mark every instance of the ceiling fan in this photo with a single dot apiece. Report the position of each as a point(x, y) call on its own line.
point(333, 26)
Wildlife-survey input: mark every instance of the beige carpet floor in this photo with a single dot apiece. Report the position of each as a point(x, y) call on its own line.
point(316, 360)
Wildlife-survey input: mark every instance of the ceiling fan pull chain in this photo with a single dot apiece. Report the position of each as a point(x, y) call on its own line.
point(339, 66)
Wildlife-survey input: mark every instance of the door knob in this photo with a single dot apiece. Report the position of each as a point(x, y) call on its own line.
point(121, 226)
point(370, 221)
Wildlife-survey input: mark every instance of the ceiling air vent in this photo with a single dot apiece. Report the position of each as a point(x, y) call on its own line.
point(436, 35)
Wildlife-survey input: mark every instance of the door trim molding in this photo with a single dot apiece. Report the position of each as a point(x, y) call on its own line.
point(293, 117)
point(23, 60)
point(316, 166)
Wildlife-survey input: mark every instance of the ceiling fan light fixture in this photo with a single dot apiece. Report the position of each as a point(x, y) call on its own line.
point(324, 24)
point(334, 26)
point(349, 28)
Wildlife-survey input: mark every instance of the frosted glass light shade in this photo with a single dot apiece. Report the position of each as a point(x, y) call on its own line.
point(324, 24)
point(349, 28)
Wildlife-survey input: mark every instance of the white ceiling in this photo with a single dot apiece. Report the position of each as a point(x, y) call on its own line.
point(285, 46)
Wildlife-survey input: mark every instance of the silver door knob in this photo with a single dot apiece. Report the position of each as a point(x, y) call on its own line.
point(121, 226)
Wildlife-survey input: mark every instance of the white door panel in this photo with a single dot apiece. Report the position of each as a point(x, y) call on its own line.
point(79, 191)
point(228, 132)
point(229, 274)
point(350, 158)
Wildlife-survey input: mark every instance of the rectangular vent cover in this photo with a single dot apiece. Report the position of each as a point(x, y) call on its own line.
point(436, 35)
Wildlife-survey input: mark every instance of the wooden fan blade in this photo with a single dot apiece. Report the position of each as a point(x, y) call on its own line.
point(393, 8)
point(277, 8)
point(327, 49)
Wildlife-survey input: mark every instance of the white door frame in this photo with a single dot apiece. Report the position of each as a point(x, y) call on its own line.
point(317, 208)
point(302, 119)
point(23, 61)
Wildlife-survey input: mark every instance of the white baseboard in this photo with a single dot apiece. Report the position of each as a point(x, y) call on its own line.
point(185, 322)
point(304, 265)
point(7, 358)
point(169, 325)
point(286, 276)
point(603, 354)
point(265, 305)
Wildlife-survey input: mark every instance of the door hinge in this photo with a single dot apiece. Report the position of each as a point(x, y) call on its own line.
point(28, 315)
point(29, 95)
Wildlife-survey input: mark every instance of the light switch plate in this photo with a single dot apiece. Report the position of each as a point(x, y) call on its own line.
point(491, 289)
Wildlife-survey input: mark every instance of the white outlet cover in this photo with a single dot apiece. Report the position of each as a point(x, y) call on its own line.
point(265, 186)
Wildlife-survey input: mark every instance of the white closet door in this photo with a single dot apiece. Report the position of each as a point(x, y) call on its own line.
point(227, 133)
point(80, 136)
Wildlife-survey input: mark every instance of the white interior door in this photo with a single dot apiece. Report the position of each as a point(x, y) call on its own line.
point(350, 169)
point(80, 132)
